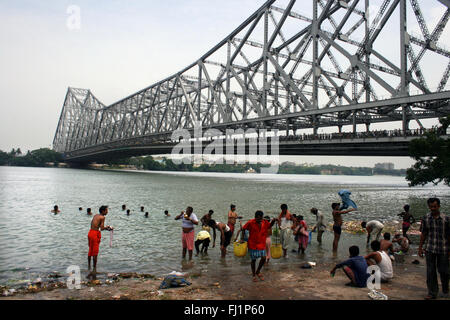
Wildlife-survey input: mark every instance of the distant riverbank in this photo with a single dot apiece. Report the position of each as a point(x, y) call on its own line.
point(150, 164)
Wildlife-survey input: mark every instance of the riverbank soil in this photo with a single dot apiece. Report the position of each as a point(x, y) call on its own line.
point(281, 283)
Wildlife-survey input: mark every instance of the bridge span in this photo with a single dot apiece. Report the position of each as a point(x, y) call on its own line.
point(288, 70)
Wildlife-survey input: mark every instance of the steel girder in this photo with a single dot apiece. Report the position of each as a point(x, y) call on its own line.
point(281, 69)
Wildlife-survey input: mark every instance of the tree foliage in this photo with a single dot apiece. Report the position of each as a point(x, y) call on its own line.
point(432, 156)
point(35, 158)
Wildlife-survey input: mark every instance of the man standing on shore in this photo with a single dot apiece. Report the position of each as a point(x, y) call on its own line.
point(435, 243)
point(95, 235)
point(258, 229)
point(337, 226)
point(320, 226)
point(188, 235)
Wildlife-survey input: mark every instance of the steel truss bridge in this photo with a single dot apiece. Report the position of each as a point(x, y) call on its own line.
point(343, 64)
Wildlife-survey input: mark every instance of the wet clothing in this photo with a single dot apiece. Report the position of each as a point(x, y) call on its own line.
point(187, 223)
point(258, 234)
point(320, 223)
point(205, 244)
point(228, 235)
point(359, 267)
point(255, 254)
point(94, 238)
point(285, 237)
point(346, 201)
point(337, 229)
point(187, 239)
point(303, 235)
point(376, 227)
point(202, 235)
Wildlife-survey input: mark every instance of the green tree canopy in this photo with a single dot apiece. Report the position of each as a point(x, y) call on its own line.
point(432, 156)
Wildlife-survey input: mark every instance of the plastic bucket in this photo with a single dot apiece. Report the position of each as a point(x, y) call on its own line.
point(240, 249)
point(276, 251)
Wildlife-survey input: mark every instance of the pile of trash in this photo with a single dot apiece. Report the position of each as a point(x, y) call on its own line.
point(392, 227)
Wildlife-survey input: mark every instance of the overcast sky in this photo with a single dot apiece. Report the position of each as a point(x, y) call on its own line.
point(122, 47)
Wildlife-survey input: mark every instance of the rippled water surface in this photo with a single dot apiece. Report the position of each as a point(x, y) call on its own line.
point(34, 241)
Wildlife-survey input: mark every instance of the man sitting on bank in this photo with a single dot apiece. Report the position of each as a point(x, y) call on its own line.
point(355, 268)
point(381, 259)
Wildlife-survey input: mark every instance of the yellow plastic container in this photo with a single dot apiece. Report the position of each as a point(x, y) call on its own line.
point(240, 249)
point(276, 251)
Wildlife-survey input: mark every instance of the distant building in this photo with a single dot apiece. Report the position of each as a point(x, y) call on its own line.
point(385, 166)
point(251, 170)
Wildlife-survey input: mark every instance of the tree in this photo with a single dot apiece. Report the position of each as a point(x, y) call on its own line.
point(432, 156)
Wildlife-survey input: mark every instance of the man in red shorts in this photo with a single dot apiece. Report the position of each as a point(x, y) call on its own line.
point(258, 229)
point(95, 235)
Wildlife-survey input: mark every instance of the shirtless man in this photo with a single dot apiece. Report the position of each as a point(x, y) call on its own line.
point(225, 237)
point(208, 223)
point(402, 241)
point(232, 217)
point(386, 244)
point(95, 235)
point(337, 226)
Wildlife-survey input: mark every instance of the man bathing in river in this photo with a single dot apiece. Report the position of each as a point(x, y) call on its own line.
point(373, 228)
point(208, 223)
point(258, 229)
point(232, 217)
point(189, 219)
point(285, 222)
point(95, 235)
point(320, 226)
point(225, 237)
point(55, 210)
point(337, 226)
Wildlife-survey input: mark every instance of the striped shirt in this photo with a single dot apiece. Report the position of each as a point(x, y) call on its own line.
point(436, 232)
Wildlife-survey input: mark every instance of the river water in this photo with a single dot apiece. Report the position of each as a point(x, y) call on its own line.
point(35, 242)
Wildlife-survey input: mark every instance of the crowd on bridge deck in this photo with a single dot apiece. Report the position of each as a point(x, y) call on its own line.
point(357, 135)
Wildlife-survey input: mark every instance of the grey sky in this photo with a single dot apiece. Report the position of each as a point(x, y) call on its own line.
point(122, 47)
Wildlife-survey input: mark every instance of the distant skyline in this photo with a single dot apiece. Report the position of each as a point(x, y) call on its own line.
point(121, 48)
